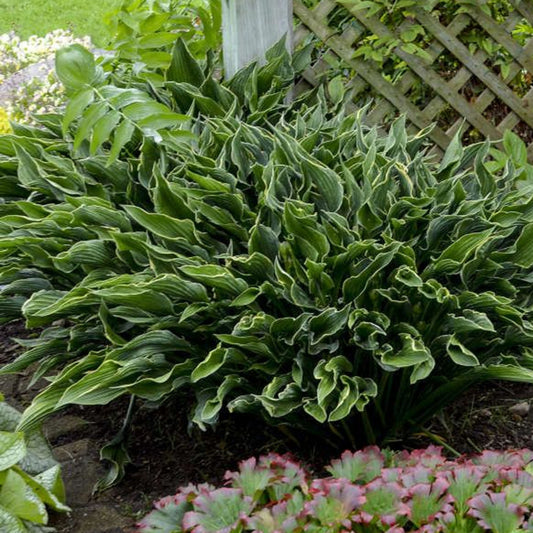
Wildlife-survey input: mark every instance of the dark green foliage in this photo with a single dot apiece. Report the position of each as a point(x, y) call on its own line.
point(288, 260)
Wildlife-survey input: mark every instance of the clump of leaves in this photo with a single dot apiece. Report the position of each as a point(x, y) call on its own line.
point(287, 261)
point(145, 30)
point(368, 491)
point(30, 478)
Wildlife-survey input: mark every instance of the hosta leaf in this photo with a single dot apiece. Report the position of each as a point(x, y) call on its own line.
point(279, 398)
point(523, 254)
point(163, 225)
point(328, 372)
point(328, 184)
point(214, 361)
point(471, 321)
point(458, 252)
point(328, 323)
point(311, 242)
point(208, 410)
point(217, 277)
point(354, 286)
point(413, 352)
point(357, 392)
point(459, 353)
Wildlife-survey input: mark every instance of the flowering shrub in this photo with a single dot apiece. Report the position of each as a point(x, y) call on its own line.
point(16, 54)
point(368, 491)
point(39, 91)
point(36, 96)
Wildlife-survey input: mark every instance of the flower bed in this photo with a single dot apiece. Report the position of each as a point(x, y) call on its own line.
point(28, 84)
point(368, 491)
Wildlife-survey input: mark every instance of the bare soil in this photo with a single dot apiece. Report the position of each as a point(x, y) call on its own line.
point(166, 453)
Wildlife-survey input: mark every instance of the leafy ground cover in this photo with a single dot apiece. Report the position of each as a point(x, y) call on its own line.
point(27, 17)
point(367, 491)
point(174, 238)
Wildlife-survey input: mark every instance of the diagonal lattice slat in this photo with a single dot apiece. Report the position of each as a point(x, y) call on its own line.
point(466, 99)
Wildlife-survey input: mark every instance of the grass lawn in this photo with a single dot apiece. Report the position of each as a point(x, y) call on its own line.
point(38, 17)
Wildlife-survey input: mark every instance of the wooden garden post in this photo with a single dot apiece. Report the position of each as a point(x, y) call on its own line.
point(250, 28)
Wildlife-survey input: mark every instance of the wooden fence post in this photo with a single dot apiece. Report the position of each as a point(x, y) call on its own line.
point(250, 28)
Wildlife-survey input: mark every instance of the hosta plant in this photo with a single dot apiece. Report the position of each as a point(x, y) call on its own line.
point(369, 491)
point(30, 478)
point(287, 260)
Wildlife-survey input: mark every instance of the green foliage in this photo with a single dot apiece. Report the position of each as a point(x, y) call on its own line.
point(368, 492)
point(30, 478)
point(145, 30)
point(288, 260)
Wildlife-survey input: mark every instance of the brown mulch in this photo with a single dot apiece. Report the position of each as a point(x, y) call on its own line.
point(166, 453)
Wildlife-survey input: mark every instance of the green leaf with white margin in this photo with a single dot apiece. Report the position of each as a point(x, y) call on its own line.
point(328, 323)
point(12, 449)
point(459, 354)
point(213, 362)
point(163, 225)
point(328, 372)
point(453, 257)
point(523, 254)
point(413, 352)
point(357, 392)
point(471, 321)
point(19, 499)
point(311, 242)
point(327, 182)
point(208, 409)
point(46, 401)
point(216, 276)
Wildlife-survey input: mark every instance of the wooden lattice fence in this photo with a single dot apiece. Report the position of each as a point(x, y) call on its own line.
point(475, 95)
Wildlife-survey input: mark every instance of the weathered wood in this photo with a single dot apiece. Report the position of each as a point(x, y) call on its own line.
point(428, 75)
point(476, 90)
point(367, 72)
point(494, 83)
point(250, 28)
